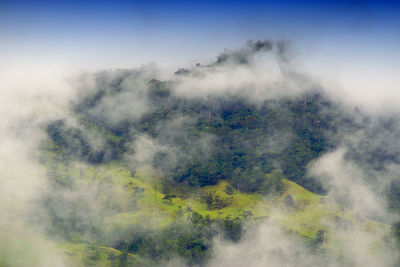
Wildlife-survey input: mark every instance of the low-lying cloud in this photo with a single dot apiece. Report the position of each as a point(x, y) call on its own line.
point(258, 72)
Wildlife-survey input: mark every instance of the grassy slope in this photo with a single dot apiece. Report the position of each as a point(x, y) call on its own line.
point(309, 214)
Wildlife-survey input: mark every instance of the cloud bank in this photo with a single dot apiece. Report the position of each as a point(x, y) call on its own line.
point(260, 71)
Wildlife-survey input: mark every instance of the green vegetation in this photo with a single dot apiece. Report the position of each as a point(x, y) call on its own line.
point(136, 228)
point(164, 183)
point(221, 138)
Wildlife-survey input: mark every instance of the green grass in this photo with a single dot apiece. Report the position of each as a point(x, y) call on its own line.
point(310, 213)
point(93, 255)
point(88, 255)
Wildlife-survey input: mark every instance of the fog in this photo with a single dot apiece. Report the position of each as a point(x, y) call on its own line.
point(260, 71)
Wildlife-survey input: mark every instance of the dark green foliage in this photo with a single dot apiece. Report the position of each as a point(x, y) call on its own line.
point(75, 143)
point(273, 183)
point(252, 180)
point(229, 189)
point(396, 231)
point(197, 172)
point(169, 197)
point(220, 203)
point(197, 219)
point(158, 91)
point(393, 196)
point(190, 240)
point(202, 141)
point(246, 214)
point(232, 229)
point(214, 201)
point(171, 187)
point(210, 139)
point(208, 199)
point(310, 122)
point(315, 244)
point(138, 190)
point(288, 201)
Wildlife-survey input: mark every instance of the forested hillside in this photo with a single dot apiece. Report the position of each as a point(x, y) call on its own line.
point(169, 173)
point(199, 133)
point(212, 139)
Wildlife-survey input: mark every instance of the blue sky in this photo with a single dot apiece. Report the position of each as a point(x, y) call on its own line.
point(110, 34)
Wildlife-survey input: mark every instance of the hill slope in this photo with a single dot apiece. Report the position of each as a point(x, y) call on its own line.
point(136, 203)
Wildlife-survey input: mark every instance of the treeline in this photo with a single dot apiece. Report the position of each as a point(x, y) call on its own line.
point(205, 140)
point(209, 139)
point(220, 137)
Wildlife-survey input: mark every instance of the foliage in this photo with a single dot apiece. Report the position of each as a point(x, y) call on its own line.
point(240, 134)
point(169, 197)
point(288, 201)
point(273, 183)
point(201, 143)
point(232, 228)
point(214, 201)
point(396, 231)
point(229, 189)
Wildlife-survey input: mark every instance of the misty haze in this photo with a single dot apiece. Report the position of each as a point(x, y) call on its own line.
point(127, 138)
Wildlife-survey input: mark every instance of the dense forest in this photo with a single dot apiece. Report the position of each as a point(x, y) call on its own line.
point(218, 138)
point(195, 142)
point(160, 134)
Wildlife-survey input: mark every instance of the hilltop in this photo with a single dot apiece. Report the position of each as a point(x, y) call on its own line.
point(142, 172)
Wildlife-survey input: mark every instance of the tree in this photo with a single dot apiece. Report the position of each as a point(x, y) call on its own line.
point(289, 201)
point(229, 189)
point(196, 218)
point(232, 228)
point(246, 214)
point(138, 190)
point(214, 201)
point(209, 200)
point(169, 197)
point(396, 230)
point(220, 203)
point(273, 183)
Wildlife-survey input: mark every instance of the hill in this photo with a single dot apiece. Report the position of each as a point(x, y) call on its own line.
point(134, 206)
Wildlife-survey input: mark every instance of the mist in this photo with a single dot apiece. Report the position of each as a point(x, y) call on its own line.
point(42, 185)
